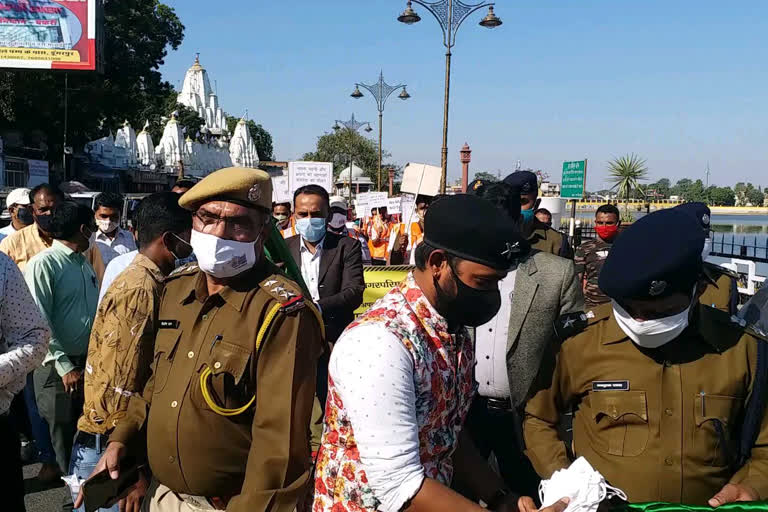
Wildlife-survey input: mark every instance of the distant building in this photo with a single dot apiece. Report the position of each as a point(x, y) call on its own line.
point(550, 189)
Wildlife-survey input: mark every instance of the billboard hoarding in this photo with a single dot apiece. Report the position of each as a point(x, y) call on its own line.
point(47, 34)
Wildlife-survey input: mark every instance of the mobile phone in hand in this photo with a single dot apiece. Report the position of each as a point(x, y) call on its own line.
point(101, 491)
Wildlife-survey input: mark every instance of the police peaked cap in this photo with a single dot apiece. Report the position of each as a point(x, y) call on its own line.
point(472, 228)
point(698, 211)
point(526, 180)
point(658, 255)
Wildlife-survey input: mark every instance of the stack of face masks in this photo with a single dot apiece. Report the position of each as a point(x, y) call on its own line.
point(659, 506)
point(585, 487)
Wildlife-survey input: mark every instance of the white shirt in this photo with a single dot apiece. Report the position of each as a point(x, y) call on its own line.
point(373, 374)
point(24, 333)
point(491, 346)
point(7, 230)
point(310, 268)
point(115, 267)
point(123, 243)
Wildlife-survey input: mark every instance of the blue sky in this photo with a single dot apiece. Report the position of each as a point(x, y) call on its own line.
point(682, 83)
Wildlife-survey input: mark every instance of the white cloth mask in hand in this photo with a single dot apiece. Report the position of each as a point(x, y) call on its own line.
point(585, 487)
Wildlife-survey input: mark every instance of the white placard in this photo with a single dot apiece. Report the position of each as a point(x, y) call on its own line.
point(38, 172)
point(407, 207)
point(310, 173)
point(393, 206)
point(281, 190)
point(361, 206)
point(377, 200)
point(421, 179)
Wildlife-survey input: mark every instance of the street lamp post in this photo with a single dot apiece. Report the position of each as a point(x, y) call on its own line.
point(450, 14)
point(352, 126)
point(380, 91)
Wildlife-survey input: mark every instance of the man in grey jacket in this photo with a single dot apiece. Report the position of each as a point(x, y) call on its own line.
point(516, 350)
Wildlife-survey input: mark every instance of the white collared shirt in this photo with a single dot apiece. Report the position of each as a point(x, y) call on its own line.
point(310, 267)
point(8, 230)
point(123, 243)
point(114, 268)
point(491, 346)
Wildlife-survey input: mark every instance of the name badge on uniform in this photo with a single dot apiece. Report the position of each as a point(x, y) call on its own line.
point(610, 385)
point(169, 324)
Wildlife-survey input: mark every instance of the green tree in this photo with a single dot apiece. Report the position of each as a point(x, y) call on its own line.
point(337, 147)
point(661, 188)
point(681, 188)
point(756, 197)
point(626, 173)
point(720, 196)
point(486, 176)
point(138, 35)
point(696, 192)
point(261, 137)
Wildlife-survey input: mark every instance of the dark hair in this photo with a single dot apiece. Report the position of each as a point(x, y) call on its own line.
point(48, 188)
point(109, 200)
point(608, 209)
point(67, 217)
point(286, 204)
point(421, 256)
point(160, 213)
point(184, 183)
point(544, 211)
point(421, 198)
point(502, 196)
point(316, 190)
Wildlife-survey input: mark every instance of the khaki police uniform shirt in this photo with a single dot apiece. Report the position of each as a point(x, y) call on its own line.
point(723, 294)
point(255, 461)
point(647, 419)
point(546, 239)
point(120, 350)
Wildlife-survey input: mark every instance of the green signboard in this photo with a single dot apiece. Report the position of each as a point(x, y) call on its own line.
point(574, 180)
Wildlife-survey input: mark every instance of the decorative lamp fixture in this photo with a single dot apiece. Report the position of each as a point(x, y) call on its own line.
point(409, 16)
point(490, 20)
point(356, 93)
point(404, 95)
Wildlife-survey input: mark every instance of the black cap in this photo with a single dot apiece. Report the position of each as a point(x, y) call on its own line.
point(472, 228)
point(698, 211)
point(656, 256)
point(526, 180)
point(503, 196)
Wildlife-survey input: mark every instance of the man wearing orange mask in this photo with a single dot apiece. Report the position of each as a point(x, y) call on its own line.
point(590, 255)
point(378, 236)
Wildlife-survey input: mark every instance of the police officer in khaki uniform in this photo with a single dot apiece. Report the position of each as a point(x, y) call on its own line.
point(228, 406)
point(660, 383)
point(540, 236)
point(723, 292)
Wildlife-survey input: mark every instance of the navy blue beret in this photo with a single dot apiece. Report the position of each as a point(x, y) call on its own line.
point(658, 255)
point(472, 228)
point(698, 211)
point(526, 180)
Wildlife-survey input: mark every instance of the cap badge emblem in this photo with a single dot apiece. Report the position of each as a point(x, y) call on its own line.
point(705, 219)
point(657, 288)
point(254, 194)
point(477, 185)
point(511, 250)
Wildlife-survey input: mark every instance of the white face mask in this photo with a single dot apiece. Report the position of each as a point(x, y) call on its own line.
point(222, 258)
point(106, 225)
point(337, 221)
point(707, 249)
point(585, 487)
point(652, 333)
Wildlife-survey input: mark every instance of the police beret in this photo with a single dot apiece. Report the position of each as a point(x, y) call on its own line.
point(698, 211)
point(472, 228)
point(248, 187)
point(526, 180)
point(656, 256)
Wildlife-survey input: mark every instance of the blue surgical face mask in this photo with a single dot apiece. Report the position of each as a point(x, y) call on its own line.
point(527, 215)
point(311, 229)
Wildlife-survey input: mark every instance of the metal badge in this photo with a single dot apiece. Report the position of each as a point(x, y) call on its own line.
point(657, 288)
point(705, 219)
point(511, 250)
point(254, 194)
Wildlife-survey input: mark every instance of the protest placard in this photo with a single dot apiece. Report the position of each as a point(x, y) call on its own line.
point(310, 173)
point(421, 179)
point(281, 191)
point(393, 206)
point(377, 200)
point(407, 207)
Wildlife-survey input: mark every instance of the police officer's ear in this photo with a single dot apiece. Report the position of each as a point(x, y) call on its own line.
point(437, 263)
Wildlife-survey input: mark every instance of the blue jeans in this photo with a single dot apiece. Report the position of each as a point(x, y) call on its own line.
point(84, 460)
point(38, 425)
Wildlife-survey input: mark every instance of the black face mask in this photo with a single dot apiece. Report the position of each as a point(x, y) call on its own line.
point(471, 307)
point(24, 216)
point(44, 222)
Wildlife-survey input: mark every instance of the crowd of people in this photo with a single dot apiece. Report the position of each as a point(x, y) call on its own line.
point(212, 352)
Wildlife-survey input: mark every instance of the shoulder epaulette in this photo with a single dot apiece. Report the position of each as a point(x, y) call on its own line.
point(184, 270)
point(599, 313)
point(718, 269)
point(284, 291)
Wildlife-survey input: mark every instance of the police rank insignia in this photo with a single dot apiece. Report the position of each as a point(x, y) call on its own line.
point(657, 288)
point(254, 194)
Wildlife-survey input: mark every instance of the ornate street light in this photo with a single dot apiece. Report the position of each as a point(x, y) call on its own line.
point(353, 126)
point(450, 14)
point(380, 92)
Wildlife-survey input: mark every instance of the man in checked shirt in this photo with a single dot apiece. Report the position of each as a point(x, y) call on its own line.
point(122, 339)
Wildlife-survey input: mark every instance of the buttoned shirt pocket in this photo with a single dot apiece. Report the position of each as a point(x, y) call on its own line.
point(620, 422)
point(166, 342)
point(714, 441)
point(223, 373)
